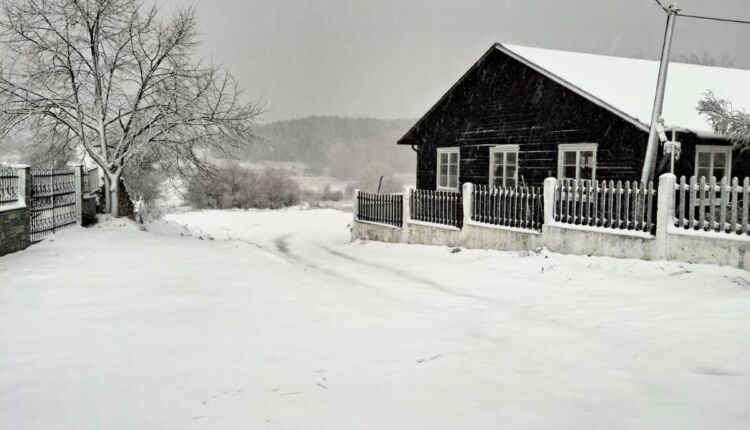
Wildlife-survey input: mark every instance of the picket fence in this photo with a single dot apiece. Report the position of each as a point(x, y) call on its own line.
point(710, 206)
point(606, 204)
point(520, 207)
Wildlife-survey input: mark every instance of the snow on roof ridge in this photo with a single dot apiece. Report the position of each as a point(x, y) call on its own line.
point(633, 96)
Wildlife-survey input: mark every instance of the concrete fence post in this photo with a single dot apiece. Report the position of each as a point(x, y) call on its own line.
point(468, 200)
point(406, 217)
point(78, 178)
point(549, 200)
point(664, 213)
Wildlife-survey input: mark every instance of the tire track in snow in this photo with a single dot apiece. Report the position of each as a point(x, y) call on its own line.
point(403, 274)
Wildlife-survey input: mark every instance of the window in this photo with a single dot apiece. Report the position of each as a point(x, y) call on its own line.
point(577, 161)
point(713, 161)
point(447, 168)
point(504, 166)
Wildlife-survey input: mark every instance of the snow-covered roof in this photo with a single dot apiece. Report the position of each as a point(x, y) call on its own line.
point(628, 85)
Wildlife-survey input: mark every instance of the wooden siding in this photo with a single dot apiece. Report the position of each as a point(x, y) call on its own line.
point(502, 101)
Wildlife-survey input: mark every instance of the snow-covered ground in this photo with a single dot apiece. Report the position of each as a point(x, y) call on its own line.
point(274, 320)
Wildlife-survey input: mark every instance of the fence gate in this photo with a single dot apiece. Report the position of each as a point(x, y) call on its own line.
point(53, 202)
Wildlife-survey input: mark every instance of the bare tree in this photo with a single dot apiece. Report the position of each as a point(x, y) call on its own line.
point(119, 83)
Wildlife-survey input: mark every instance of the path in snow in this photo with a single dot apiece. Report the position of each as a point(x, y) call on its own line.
point(274, 320)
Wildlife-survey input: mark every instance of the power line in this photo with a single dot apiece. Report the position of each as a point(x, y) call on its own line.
point(711, 18)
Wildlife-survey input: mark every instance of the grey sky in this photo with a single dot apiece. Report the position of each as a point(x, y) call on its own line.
point(395, 58)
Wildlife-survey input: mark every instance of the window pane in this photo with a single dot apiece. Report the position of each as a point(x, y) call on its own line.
point(569, 157)
point(453, 170)
point(704, 159)
point(498, 173)
point(510, 182)
point(510, 158)
point(497, 181)
point(443, 158)
point(510, 171)
point(587, 172)
point(443, 181)
point(569, 172)
point(704, 172)
point(587, 159)
point(452, 181)
point(720, 160)
point(719, 173)
point(453, 158)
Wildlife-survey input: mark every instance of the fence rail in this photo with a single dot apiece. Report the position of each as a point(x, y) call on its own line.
point(711, 206)
point(8, 186)
point(438, 207)
point(380, 208)
point(520, 207)
point(606, 204)
point(53, 202)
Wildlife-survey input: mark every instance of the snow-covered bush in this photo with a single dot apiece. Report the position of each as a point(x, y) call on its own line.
point(234, 186)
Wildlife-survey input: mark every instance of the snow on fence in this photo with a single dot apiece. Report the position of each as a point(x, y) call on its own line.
point(437, 207)
point(520, 207)
point(380, 208)
point(711, 206)
point(8, 186)
point(607, 204)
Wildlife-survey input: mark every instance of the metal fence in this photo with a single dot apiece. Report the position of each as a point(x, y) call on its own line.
point(8, 186)
point(438, 207)
point(606, 204)
point(520, 207)
point(53, 202)
point(711, 206)
point(380, 208)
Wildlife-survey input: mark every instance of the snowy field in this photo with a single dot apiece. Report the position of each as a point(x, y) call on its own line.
point(225, 320)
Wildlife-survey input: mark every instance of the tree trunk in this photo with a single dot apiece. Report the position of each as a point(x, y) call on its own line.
point(107, 195)
point(115, 200)
point(114, 195)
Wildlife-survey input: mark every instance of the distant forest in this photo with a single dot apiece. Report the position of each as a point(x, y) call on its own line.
point(346, 148)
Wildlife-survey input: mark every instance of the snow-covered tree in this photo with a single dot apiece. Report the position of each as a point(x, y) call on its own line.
point(114, 80)
point(726, 120)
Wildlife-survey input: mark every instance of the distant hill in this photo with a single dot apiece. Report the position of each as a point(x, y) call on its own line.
point(347, 148)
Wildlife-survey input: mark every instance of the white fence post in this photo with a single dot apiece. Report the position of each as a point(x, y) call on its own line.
point(664, 213)
point(406, 213)
point(549, 200)
point(468, 198)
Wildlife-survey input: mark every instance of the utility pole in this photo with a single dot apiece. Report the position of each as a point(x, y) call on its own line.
point(649, 163)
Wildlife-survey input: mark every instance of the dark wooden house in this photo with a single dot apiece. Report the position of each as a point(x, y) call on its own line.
point(520, 115)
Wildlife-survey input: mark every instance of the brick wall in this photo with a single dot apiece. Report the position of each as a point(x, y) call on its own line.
point(15, 230)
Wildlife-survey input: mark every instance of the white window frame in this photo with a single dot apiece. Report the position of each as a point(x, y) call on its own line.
point(502, 149)
point(578, 148)
point(714, 149)
point(452, 150)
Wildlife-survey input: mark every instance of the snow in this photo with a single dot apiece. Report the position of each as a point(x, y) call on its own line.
point(629, 84)
point(274, 320)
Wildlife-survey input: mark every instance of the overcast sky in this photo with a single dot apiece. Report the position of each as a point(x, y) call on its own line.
point(395, 58)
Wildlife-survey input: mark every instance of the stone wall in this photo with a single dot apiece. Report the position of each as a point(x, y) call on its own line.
point(15, 231)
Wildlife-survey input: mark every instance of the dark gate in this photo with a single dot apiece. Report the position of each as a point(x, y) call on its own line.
point(53, 202)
